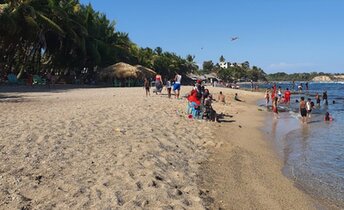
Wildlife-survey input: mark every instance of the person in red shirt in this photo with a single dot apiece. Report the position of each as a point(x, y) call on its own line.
point(193, 98)
point(287, 94)
point(273, 93)
point(275, 87)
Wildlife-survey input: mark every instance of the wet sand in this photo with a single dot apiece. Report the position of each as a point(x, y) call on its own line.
point(108, 148)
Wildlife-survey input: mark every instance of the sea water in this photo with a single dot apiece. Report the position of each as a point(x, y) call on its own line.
point(313, 153)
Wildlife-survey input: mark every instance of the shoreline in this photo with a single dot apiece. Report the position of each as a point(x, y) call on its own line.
point(277, 131)
point(246, 172)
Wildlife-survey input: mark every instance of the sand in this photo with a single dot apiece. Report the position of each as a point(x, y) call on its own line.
point(245, 172)
point(107, 148)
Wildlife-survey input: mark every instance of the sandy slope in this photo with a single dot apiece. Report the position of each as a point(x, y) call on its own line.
point(112, 148)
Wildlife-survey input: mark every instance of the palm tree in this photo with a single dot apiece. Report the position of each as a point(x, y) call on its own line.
point(222, 59)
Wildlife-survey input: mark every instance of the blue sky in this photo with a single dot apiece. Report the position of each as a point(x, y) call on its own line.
point(276, 35)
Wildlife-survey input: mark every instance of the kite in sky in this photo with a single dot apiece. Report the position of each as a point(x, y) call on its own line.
point(234, 38)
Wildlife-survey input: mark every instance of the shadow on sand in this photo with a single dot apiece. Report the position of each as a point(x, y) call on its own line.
point(45, 88)
point(11, 99)
point(221, 118)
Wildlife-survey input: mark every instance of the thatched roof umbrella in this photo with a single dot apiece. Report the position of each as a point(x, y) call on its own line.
point(120, 71)
point(145, 72)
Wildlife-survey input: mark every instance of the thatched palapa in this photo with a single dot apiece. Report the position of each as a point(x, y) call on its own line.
point(123, 71)
point(120, 71)
point(146, 72)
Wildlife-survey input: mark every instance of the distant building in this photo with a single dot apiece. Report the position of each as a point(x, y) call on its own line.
point(223, 65)
point(236, 64)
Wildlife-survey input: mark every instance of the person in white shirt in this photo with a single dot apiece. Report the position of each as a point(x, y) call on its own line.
point(177, 84)
point(309, 108)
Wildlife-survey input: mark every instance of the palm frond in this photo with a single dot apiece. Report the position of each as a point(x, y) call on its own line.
point(51, 23)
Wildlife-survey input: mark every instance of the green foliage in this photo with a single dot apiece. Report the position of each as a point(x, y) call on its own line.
point(65, 37)
point(222, 59)
point(282, 76)
point(242, 73)
point(208, 66)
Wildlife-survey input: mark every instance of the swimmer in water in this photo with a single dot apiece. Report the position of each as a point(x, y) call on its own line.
point(328, 117)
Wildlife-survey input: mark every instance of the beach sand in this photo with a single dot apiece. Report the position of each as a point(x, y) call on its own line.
point(114, 148)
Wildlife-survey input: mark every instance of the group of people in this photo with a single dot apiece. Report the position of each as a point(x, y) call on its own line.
point(200, 103)
point(305, 106)
point(300, 87)
point(277, 97)
point(170, 84)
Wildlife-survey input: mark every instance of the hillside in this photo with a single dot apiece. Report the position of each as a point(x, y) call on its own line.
point(331, 78)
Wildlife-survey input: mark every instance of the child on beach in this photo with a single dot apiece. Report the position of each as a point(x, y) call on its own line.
point(309, 108)
point(317, 98)
point(275, 107)
point(267, 97)
point(169, 88)
point(236, 98)
point(147, 87)
point(208, 112)
point(328, 117)
point(221, 98)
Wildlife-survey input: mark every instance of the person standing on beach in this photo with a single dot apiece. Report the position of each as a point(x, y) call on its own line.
point(267, 97)
point(307, 86)
point(279, 93)
point(158, 84)
point(309, 108)
point(146, 85)
point(317, 99)
point(287, 94)
point(177, 84)
point(325, 98)
point(293, 86)
point(275, 107)
point(273, 94)
point(169, 88)
point(303, 110)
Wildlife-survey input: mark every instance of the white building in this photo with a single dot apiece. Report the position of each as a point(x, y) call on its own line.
point(223, 65)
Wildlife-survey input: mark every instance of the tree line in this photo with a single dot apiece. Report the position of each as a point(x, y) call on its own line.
point(282, 76)
point(66, 38)
point(234, 72)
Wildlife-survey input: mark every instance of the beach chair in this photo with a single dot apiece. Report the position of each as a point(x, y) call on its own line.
point(12, 79)
point(38, 80)
point(194, 110)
